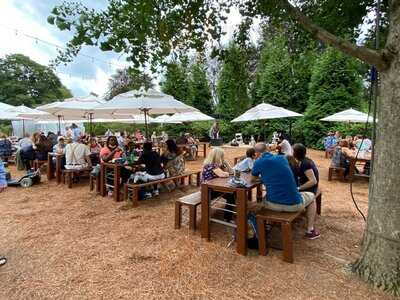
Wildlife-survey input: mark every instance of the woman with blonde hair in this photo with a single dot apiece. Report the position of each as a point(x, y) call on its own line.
point(215, 166)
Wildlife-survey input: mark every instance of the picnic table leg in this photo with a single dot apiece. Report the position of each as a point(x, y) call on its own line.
point(97, 184)
point(259, 193)
point(205, 212)
point(135, 196)
point(178, 211)
point(204, 150)
point(117, 175)
point(102, 180)
point(241, 221)
point(198, 178)
point(58, 168)
point(50, 171)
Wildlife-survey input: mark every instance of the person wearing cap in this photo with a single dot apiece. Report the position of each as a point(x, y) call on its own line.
point(77, 155)
point(59, 148)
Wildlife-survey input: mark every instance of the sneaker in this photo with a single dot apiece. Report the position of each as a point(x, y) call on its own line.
point(314, 234)
point(147, 195)
point(156, 193)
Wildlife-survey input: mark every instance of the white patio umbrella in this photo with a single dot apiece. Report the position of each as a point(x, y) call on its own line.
point(196, 116)
point(75, 108)
point(165, 119)
point(26, 113)
point(133, 119)
point(5, 106)
point(140, 101)
point(265, 111)
point(10, 116)
point(349, 115)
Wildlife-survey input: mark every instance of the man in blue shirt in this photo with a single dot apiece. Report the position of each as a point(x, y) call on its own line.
point(282, 192)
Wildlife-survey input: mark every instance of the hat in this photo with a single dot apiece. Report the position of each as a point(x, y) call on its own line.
point(60, 138)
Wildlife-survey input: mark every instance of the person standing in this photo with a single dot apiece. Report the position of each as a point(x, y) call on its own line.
point(214, 131)
point(76, 132)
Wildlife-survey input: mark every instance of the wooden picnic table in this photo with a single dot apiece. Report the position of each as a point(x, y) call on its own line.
point(361, 157)
point(54, 171)
point(243, 194)
point(116, 170)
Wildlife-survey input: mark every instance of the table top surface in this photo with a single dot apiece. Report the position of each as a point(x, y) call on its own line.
point(223, 182)
point(362, 156)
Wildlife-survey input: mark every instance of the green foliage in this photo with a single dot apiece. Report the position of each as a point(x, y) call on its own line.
point(125, 80)
point(199, 89)
point(23, 81)
point(233, 84)
point(335, 85)
point(176, 81)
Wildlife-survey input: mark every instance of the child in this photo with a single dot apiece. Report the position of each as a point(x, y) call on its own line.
point(246, 165)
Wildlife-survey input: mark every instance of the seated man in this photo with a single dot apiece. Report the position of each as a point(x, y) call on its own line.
point(282, 192)
point(77, 155)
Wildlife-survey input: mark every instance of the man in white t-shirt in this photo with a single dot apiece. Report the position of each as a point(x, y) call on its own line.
point(284, 146)
point(77, 155)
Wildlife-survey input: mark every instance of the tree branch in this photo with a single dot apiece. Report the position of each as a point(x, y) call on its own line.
point(369, 56)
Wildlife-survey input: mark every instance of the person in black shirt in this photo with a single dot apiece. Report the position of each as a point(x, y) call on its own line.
point(307, 170)
point(153, 168)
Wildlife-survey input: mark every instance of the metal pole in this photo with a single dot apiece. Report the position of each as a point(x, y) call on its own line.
point(23, 127)
point(375, 83)
point(59, 124)
point(145, 123)
point(90, 123)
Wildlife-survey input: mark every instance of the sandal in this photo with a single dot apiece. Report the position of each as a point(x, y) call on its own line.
point(3, 260)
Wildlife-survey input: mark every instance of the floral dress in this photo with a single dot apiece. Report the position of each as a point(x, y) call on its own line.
point(208, 172)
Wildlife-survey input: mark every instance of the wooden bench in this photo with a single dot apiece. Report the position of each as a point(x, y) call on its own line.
point(191, 201)
point(285, 219)
point(135, 187)
point(68, 174)
point(318, 201)
point(336, 170)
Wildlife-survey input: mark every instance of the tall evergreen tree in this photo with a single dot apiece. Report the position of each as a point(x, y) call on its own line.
point(176, 81)
point(335, 85)
point(233, 84)
point(200, 92)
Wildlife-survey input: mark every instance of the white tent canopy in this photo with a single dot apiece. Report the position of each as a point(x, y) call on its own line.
point(265, 111)
point(349, 115)
point(195, 116)
point(5, 106)
point(133, 119)
point(137, 101)
point(6, 115)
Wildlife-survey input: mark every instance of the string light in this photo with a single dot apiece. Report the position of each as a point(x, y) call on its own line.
point(58, 47)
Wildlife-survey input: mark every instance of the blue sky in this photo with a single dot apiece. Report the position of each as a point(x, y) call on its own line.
point(19, 17)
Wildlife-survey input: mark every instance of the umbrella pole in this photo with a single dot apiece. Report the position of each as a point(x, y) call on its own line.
point(59, 124)
point(290, 129)
point(90, 123)
point(23, 127)
point(145, 124)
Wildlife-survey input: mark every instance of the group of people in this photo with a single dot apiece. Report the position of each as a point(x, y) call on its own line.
point(291, 181)
point(341, 150)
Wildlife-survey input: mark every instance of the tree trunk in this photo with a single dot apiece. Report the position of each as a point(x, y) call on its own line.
point(379, 262)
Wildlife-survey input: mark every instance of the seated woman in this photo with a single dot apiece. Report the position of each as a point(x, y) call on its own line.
point(308, 173)
point(215, 166)
point(42, 147)
point(341, 155)
point(192, 145)
point(111, 150)
point(153, 168)
point(172, 159)
point(95, 149)
point(59, 148)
